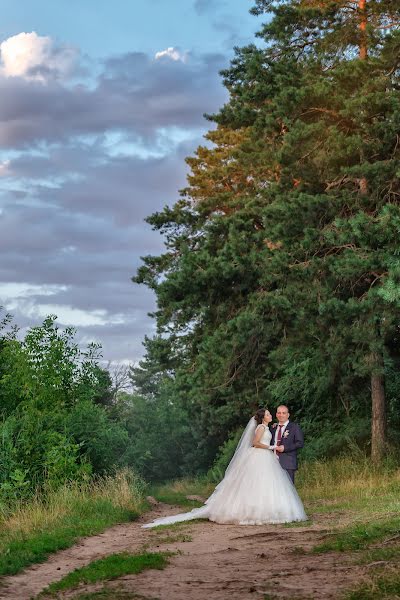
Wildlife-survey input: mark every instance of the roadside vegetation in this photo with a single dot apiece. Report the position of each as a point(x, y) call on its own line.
point(56, 520)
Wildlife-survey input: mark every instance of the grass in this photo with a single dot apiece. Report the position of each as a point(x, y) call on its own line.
point(368, 496)
point(175, 498)
point(157, 538)
point(55, 522)
point(347, 483)
point(379, 554)
point(367, 499)
point(361, 504)
point(361, 535)
point(176, 492)
point(295, 524)
point(106, 569)
point(383, 586)
point(346, 480)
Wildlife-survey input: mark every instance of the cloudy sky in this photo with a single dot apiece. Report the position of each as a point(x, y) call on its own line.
point(100, 103)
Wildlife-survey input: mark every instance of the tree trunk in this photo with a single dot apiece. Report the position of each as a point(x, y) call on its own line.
point(378, 433)
point(363, 49)
point(378, 416)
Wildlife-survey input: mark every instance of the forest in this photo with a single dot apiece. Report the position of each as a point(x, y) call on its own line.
point(279, 282)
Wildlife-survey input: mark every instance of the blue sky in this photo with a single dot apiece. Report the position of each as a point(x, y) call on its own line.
point(101, 102)
point(101, 28)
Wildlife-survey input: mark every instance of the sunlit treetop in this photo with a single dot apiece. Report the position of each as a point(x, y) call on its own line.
point(343, 29)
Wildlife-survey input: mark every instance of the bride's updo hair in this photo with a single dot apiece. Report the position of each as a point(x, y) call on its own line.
point(259, 416)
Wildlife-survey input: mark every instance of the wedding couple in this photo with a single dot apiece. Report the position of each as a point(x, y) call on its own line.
point(258, 485)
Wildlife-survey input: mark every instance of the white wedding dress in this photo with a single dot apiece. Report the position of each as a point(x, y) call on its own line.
point(254, 491)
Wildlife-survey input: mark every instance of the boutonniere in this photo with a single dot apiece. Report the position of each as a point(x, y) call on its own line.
point(286, 433)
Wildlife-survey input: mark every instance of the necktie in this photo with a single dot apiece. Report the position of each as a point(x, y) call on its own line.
point(279, 439)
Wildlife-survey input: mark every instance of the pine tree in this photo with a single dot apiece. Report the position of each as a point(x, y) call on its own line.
point(347, 122)
point(280, 277)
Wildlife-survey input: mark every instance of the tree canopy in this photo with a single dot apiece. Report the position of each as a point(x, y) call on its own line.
point(280, 278)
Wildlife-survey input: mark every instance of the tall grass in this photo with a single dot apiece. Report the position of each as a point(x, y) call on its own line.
point(349, 478)
point(56, 520)
point(348, 481)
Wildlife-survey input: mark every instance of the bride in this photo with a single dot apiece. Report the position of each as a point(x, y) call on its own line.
point(255, 489)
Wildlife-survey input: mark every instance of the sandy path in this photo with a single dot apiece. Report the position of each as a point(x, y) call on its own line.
point(216, 562)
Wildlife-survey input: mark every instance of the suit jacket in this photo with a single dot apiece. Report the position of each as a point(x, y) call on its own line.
point(292, 440)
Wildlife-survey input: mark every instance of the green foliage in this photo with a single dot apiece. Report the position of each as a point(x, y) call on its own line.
point(223, 458)
point(160, 438)
point(47, 369)
point(279, 278)
point(279, 281)
point(55, 425)
point(62, 461)
point(102, 440)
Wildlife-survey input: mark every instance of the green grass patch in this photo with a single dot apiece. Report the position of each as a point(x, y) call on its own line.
point(295, 524)
point(175, 492)
point(374, 555)
point(176, 498)
point(55, 522)
point(110, 567)
point(385, 586)
point(361, 535)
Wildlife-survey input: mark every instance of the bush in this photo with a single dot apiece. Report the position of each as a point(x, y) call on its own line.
point(224, 456)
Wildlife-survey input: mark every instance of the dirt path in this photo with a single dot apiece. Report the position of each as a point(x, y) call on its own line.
point(214, 562)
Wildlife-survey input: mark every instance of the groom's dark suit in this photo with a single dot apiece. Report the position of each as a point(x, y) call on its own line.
point(292, 440)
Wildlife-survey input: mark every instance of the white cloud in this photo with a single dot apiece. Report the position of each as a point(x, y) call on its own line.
point(66, 315)
point(35, 57)
point(13, 290)
point(172, 53)
point(86, 165)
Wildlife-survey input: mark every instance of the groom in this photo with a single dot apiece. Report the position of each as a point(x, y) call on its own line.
point(288, 438)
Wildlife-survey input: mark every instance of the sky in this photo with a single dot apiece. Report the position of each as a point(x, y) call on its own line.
point(101, 103)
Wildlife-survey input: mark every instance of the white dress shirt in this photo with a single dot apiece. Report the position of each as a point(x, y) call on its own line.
point(283, 431)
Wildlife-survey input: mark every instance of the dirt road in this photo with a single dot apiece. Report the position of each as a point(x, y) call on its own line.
point(213, 562)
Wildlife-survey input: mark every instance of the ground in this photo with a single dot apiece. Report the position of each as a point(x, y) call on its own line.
point(210, 562)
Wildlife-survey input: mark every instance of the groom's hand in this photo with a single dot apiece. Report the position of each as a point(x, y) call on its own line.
point(280, 448)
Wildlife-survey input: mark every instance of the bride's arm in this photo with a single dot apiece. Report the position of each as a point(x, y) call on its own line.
point(257, 437)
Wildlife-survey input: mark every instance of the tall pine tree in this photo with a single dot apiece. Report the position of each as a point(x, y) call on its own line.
point(281, 276)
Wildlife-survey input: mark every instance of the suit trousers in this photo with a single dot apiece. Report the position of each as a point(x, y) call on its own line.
point(291, 473)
